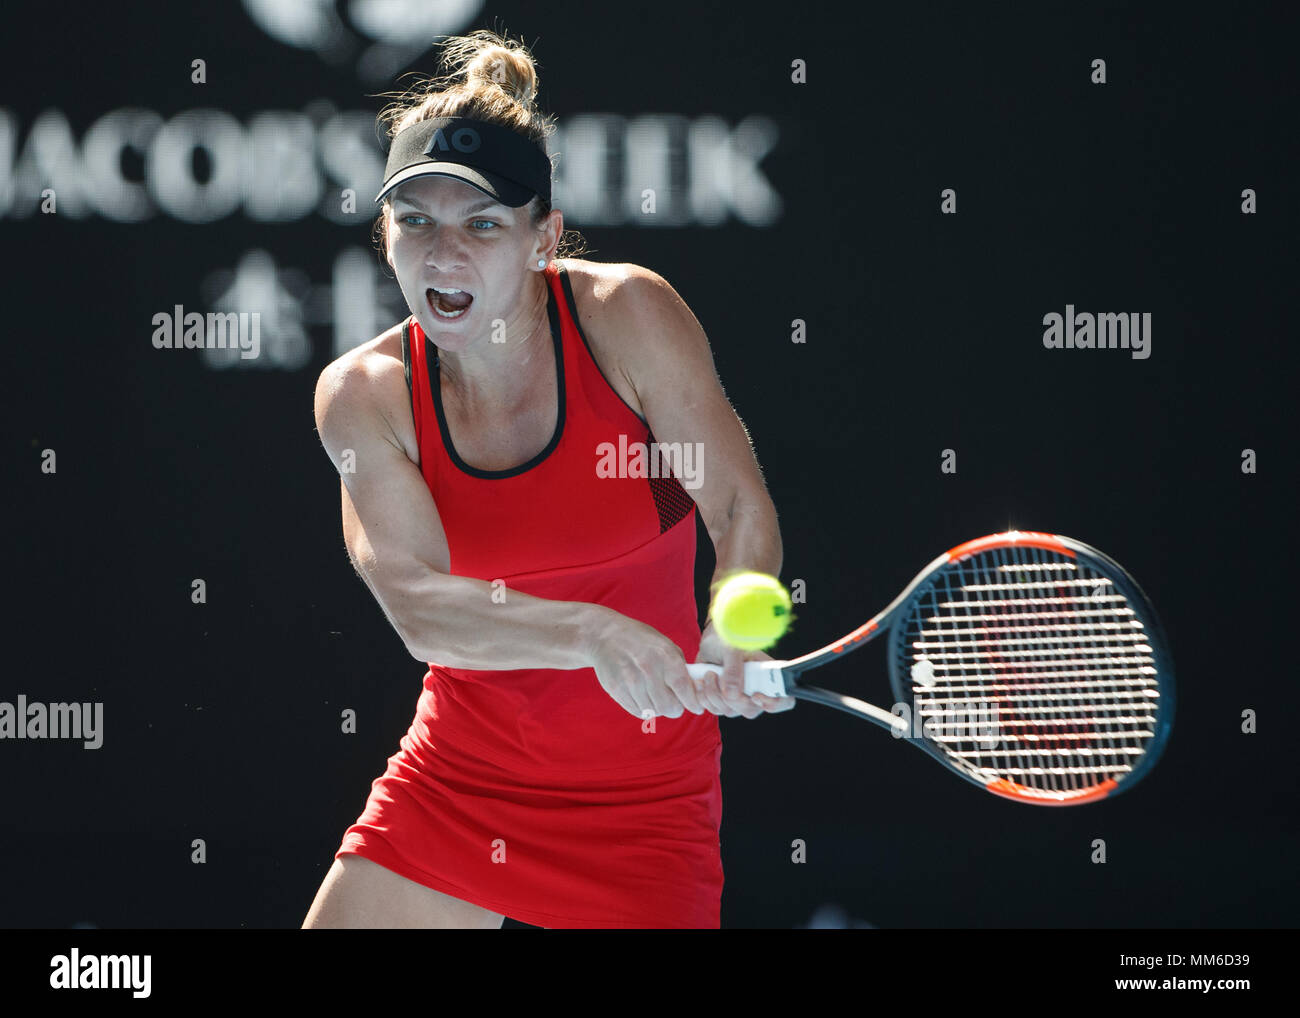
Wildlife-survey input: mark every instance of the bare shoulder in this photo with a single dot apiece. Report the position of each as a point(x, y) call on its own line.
point(618, 304)
point(367, 385)
point(607, 285)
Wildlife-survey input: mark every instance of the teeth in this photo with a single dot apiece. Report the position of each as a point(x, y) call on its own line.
point(439, 289)
point(449, 314)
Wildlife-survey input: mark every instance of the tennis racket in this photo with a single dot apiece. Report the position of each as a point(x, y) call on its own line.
point(1030, 664)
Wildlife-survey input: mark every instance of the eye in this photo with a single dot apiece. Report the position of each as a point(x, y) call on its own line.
point(411, 215)
point(491, 223)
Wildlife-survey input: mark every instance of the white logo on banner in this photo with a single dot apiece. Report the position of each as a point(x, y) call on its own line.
point(400, 30)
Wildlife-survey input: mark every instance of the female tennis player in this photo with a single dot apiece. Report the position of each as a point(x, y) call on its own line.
point(562, 767)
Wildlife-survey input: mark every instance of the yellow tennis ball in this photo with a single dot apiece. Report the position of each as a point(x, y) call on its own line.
point(751, 611)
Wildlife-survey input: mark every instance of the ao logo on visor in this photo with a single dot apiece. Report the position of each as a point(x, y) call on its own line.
point(463, 139)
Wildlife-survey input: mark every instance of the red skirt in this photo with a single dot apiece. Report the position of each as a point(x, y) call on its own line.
point(609, 850)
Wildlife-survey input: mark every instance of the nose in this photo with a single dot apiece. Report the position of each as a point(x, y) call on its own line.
point(446, 250)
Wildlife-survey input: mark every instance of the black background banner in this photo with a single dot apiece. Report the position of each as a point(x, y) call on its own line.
point(779, 201)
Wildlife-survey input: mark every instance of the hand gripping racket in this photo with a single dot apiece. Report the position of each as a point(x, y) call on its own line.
point(1030, 664)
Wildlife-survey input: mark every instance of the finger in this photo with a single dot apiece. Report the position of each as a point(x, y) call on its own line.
point(754, 702)
point(721, 704)
point(666, 705)
point(686, 689)
point(739, 706)
point(703, 688)
point(733, 677)
point(633, 699)
point(733, 687)
point(633, 704)
point(683, 687)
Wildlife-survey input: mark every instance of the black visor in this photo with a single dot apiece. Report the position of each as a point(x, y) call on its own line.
point(495, 159)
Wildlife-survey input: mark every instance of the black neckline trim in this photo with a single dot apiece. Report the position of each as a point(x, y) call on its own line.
point(406, 362)
point(557, 342)
point(577, 324)
point(410, 389)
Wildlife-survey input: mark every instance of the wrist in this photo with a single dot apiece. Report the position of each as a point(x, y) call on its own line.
point(594, 624)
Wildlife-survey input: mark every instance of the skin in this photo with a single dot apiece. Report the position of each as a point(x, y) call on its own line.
point(500, 402)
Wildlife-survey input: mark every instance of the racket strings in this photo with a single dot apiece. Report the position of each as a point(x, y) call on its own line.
point(1037, 671)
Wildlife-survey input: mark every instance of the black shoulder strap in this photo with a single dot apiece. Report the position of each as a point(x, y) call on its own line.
point(406, 353)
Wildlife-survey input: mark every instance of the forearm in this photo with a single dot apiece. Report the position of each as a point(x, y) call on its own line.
point(465, 623)
point(750, 538)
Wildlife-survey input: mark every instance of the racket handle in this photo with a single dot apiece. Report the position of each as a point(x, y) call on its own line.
point(763, 677)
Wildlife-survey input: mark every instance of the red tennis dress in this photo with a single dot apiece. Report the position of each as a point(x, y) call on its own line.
point(531, 792)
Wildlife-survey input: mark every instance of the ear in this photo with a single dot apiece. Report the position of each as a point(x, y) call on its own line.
point(549, 234)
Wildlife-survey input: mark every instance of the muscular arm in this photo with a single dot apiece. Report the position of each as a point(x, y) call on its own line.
point(671, 368)
point(397, 545)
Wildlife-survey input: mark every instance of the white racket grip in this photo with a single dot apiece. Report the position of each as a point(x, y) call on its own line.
point(763, 677)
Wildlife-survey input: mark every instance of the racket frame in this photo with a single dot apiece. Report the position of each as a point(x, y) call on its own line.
point(783, 678)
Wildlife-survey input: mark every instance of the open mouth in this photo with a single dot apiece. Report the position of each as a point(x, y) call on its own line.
point(449, 303)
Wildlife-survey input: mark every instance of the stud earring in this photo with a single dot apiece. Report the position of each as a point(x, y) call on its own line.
point(541, 263)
